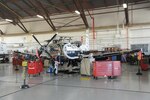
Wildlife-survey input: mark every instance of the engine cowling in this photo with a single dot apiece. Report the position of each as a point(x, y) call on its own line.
point(71, 51)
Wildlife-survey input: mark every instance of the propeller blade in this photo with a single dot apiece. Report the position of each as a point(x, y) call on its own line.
point(36, 40)
point(49, 55)
point(51, 39)
point(38, 53)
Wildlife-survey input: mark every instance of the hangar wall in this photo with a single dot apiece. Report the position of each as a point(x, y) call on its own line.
point(104, 38)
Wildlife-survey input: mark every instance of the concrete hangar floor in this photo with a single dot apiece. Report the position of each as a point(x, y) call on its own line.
point(128, 86)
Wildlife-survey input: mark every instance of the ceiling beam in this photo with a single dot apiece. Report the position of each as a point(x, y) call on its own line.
point(31, 7)
point(51, 3)
point(31, 3)
point(79, 7)
point(83, 14)
point(66, 5)
point(61, 9)
point(47, 18)
point(48, 22)
point(68, 23)
point(37, 11)
point(1, 32)
point(75, 16)
point(11, 10)
point(18, 6)
point(20, 24)
point(7, 15)
point(25, 2)
point(28, 3)
point(14, 16)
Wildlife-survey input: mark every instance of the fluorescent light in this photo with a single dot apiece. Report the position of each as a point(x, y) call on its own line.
point(9, 20)
point(16, 45)
point(124, 5)
point(39, 16)
point(77, 12)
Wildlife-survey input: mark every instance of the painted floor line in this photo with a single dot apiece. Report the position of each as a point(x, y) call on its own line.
point(99, 88)
point(25, 89)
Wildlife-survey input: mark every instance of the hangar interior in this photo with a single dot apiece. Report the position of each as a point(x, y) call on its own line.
point(43, 42)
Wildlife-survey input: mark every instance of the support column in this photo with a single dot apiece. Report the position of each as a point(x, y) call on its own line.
point(127, 37)
point(87, 43)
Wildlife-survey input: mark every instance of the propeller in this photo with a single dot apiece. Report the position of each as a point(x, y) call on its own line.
point(51, 40)
point(36, 39)
point(43, 47)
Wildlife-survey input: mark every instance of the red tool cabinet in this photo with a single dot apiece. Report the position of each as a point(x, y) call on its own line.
point(16, 61)
point(106, 68)
point(35, 67)
point(144, 64)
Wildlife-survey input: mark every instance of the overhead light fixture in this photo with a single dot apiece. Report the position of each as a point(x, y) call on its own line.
point(16, 45)
point(77, 12)
point(9, 20)
point(124, 5)
point(39, 16)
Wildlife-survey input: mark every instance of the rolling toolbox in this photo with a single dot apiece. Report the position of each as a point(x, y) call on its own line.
point(35, 67)
point(14, 61)
point(32, 68)
point(116, 68)
point(144, 64)
point(40, 65)
point(106, 68)
point(17, 62)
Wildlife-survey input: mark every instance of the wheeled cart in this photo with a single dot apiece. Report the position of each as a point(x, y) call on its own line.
point(35, 67)
point(106, 68)
point(144, 64)
point(16, 62)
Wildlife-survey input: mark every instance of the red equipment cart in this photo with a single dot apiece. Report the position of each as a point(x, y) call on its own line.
point(144, 64)
point(17, 61)
point(35, 67)
point(106, 68)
